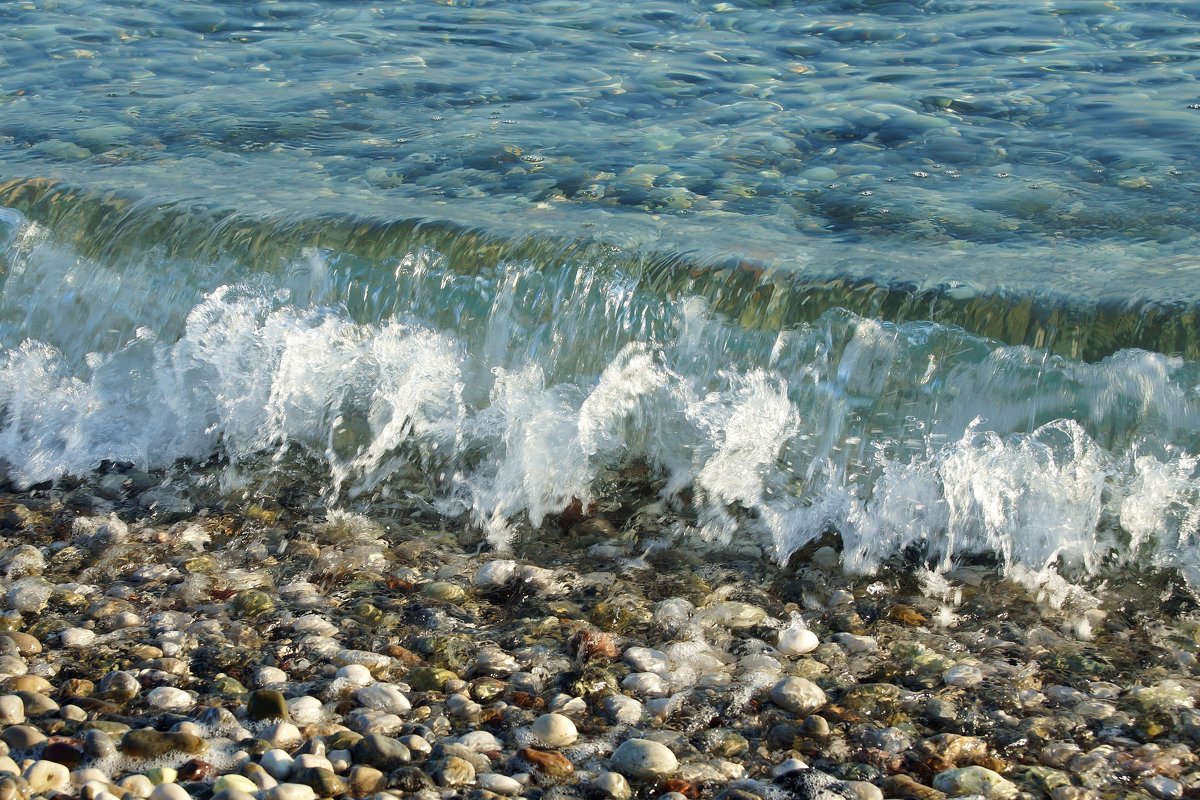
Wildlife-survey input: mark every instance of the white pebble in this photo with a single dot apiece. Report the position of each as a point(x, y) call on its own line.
point(306, 709)
point(12, 710)
point(385, 697)
point(169, 791)
point(646, 684)
point(277, 763)
point(367, 721)
point(645, 659)
point(500, 784)
point(47, 777)
point(788, 765)
point(479, 741)
point(642, 758)
point(856, 645)
point(964, 675)
point(554, 730)
point(624, 709)
point(612, 784)
point(495, 573)
point(796, 641)
point(314, 624)
point(798, 695)
point(357, 674)
point(137, 785)
point(282, 734)
point(269, 676)
point(289, 791)
point(170, 698)
point(77, 638)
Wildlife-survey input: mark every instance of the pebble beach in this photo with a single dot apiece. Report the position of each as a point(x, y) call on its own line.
point(162, 641)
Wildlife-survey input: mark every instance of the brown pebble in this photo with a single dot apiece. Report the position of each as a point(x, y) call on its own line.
point(548, 762)
point(196, 770)
point(589, 644)
point(685, 788)
point(903, 786)
point(28, 683)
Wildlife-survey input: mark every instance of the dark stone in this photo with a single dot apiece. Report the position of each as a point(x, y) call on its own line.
point(267, 704)
point(812, 784)
point(322, 781)
point(146, 743)
point(381, 752)
point(409, 779)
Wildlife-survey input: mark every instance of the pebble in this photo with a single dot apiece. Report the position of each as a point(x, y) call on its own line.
point(381, 752)
point(12, 710)
point(798, 695)
point(856, 645)
point(612, 784)
point(974, 780)
point(495, 574)
point(385, 697)
point(169, 791)
point(454, 771)
point(963, 675)
point(500, 784)
point(277, 763)
point(46, 777)
point(554, 730)
point(289, 791)
point(797, 641)
point(234, 782)
point(623, 709)
point(169, 698)
point(77, 638)
point(643, 758)
point(265, 704)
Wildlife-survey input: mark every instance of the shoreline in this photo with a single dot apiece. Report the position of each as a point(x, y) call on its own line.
point(484, 675)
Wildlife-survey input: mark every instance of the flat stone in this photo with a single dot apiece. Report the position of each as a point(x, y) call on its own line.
point(500, 784)
point(975, 781)
point(642, 758)
point(290, 791)
point(147, 743)
point(547, 762)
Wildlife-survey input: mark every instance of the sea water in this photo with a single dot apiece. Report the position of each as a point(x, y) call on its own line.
point(918, 274)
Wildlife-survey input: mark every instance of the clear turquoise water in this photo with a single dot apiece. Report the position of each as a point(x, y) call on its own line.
point(733, 239)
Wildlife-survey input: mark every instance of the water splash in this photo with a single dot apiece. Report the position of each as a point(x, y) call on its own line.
point(511, 393)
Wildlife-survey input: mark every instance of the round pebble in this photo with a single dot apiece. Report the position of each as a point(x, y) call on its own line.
point(642, 758)
point(554, 730)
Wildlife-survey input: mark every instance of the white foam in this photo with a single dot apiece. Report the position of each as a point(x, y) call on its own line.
point(901, 438)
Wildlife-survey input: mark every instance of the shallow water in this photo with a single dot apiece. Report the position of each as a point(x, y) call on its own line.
point(878, 267)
